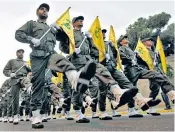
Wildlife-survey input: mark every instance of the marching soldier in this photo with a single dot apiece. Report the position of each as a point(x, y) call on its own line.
point(43, 56)
point(154, 86)
point(16, 69)
point(5, 90)
point(134, 72)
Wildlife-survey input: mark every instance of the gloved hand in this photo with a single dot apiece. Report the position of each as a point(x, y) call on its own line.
point(20, 102)
point(136, 53)
point(26, 64)
point(154, 63)
point(29, 89)
point(12, 74)
point(156, 52)
point(35, 42)
point(8, 90)
point(134, 62)
point(109, 43)
point(55, 26)
point(24, 89)
point(77, 50)
point(107, 56)
point(56, 107)
point(88, 35)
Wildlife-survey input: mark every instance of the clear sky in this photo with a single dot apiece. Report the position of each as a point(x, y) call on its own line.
point(14, 13)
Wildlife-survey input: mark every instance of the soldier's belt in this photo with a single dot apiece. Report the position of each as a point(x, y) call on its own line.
point(21, 76)
point(42, 52)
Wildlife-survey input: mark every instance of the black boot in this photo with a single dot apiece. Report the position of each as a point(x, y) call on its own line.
point(83, 120)
point(126, 97)
point(87, 73)
point(150, 103)
point(37, 125)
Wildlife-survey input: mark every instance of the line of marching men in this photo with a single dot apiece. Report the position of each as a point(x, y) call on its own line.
point(61, 99)
point(86, 80)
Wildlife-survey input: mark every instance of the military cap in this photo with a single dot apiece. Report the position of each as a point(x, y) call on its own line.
point(20, 50)
point(104, 31)
point(44, 5)
point(77, 18)
point(121, 38)
point(146, 39)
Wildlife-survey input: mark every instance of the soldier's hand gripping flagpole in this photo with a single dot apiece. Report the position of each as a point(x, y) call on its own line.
point(82, 43)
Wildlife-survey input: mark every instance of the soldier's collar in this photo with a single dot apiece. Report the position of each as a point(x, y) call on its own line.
point(149, 48)
point(40, 21)
point(19, 59)
point(75, 29)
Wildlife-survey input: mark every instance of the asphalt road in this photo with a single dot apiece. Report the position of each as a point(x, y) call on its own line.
point(165, 122)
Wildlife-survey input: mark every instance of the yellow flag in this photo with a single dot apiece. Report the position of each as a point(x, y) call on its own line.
point(144, 54)
point(60, 77)
point(97, 37)
point(55, 80)
point(29, 63)
point(65, 23)
point(159, 48)
point(113, 39)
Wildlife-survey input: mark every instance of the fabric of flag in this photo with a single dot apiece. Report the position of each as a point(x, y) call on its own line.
point(97, 37)
point(113, 39)
point(159, 48)
point(144, 54)
point(65, 23)
point(29, 63)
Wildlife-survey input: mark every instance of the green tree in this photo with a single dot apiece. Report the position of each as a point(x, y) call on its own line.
point(158, 20)
point(146, 26)
point(167, 36)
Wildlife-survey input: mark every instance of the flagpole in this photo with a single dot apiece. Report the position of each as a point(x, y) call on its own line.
point(45, 34)
point(82, 42)
point(19, 68)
